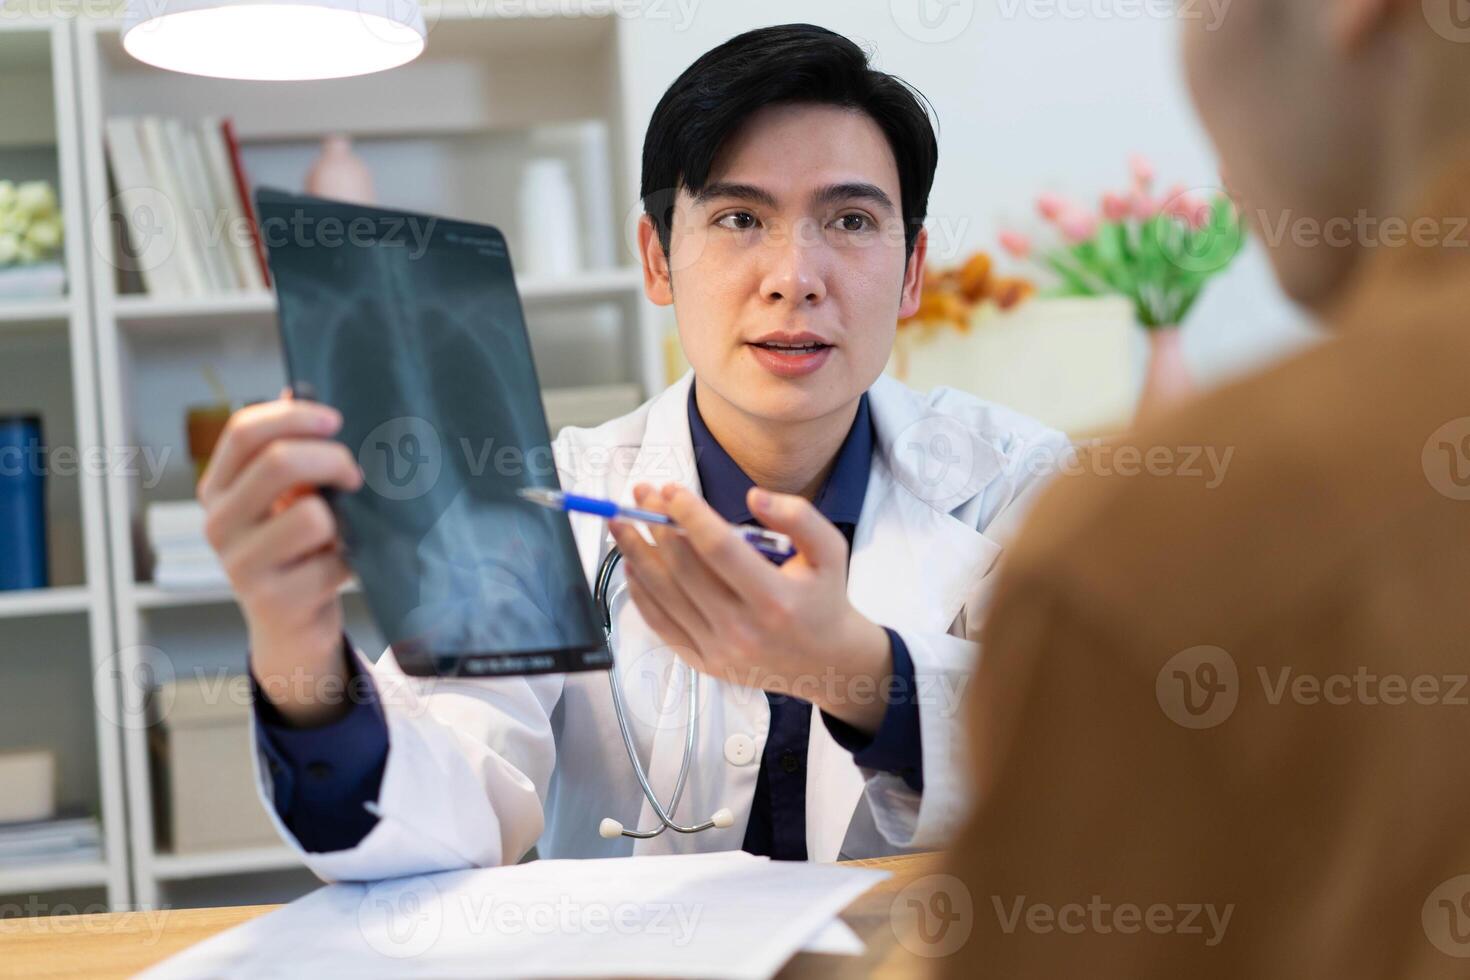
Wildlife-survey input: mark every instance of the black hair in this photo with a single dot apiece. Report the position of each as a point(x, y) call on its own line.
point(793, 63)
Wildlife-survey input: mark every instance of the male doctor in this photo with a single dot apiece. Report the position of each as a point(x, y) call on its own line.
point(786, 184)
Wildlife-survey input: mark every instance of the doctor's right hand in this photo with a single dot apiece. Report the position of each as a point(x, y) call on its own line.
point(277, 539)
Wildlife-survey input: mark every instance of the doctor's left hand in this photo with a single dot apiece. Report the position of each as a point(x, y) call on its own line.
point(735, 615)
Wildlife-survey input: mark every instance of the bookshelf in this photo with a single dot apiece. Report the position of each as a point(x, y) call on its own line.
point(445, 134)
point(57, 644)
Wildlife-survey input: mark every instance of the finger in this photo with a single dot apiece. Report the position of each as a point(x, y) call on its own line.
point(296, 595)
point(650, 498)
point(721, 548)
point(816, 538)
point(305, 526)
point(254, 427)
point(659, 620)
point(644, 564)
point(283, 465)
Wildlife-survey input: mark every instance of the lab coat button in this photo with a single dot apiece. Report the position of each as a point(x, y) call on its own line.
point(739, 750)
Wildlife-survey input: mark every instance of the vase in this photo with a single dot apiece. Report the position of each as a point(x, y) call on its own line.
point(1167, 380)
point(339, 174)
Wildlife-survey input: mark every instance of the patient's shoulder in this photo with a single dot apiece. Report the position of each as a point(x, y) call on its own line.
point(1239, 505)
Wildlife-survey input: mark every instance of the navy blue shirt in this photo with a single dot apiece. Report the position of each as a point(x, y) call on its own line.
point(322, 777)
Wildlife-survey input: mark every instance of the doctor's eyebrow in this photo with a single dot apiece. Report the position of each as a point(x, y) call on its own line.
point(853, 191)
point(829, 195)
point(740, 192)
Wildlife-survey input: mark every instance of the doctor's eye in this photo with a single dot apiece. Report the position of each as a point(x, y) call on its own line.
point(737, 221)
point(855, 221)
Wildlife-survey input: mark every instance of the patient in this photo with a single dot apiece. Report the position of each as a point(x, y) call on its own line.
point(1224, 733)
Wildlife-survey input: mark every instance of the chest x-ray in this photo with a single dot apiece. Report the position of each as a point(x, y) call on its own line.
point(411, 326)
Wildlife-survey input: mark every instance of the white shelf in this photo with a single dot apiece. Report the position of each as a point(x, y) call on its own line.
point(50, 877)
point(175, 867)
point(36, 314)
point(45, 602)
point(146, 595)
point(149, 313)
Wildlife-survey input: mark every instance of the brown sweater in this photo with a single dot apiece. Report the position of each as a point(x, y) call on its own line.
point(1225, 732)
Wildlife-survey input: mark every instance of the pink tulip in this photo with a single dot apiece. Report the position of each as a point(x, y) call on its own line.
point(1077, 225)
point(1143, 170)
point(1051, 206)
point(1016, 244)
point(1144, 207)
point(1176, 201)
point(1198, 213)
point(1115, 207)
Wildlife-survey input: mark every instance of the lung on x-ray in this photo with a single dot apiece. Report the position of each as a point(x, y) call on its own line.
point(411, 326)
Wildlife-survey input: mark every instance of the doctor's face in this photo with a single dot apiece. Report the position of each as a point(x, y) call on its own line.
point(788, 272)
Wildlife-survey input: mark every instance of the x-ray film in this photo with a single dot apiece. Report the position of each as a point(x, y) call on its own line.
point(411, 326)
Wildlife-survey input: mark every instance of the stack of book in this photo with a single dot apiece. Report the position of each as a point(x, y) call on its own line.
point(56, 841)
point(184, 203)
point(182, 557)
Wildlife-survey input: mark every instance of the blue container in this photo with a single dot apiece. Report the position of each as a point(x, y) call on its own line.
point(22, 503)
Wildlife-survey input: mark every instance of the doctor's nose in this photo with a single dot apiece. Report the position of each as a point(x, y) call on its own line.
point(793, 273)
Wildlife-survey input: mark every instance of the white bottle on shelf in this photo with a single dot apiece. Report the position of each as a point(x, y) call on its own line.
point(550, 233)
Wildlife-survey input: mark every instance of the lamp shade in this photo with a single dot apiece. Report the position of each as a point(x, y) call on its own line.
point(274, 40)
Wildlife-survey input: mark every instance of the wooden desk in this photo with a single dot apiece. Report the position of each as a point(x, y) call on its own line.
point(121, 944)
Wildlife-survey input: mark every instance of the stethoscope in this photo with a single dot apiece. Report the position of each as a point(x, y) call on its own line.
point(610, 828)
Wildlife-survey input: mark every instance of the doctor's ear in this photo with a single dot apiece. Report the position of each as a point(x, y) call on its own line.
point(657, 284)
point(913, 276)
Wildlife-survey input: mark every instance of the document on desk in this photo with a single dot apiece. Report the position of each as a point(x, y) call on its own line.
point(723, 915)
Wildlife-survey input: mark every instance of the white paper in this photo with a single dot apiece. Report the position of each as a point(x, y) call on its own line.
point(723, 915)
point(836, 938)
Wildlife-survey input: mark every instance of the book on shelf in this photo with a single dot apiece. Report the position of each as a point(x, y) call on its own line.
point(183, 560)
point(182, 184)
point(57, 840)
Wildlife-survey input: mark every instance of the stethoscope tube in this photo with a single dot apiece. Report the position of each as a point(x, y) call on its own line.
point(610, 828)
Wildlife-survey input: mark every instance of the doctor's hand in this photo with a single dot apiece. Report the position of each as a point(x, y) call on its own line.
point(736, 616)
point(277, 540)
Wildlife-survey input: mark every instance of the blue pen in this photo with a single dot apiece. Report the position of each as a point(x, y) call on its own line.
point(770, 543)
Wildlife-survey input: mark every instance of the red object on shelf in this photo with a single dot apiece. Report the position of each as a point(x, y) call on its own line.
point(242, 184)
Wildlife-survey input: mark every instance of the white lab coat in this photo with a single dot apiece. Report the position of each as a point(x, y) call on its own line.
point(480, 771)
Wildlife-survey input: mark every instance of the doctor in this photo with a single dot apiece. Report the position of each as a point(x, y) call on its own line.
point(786, 184)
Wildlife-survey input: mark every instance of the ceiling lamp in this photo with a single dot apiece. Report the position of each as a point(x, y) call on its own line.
point(274, 40)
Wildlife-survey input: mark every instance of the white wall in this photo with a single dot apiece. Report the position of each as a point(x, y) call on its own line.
point(1030, 95)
